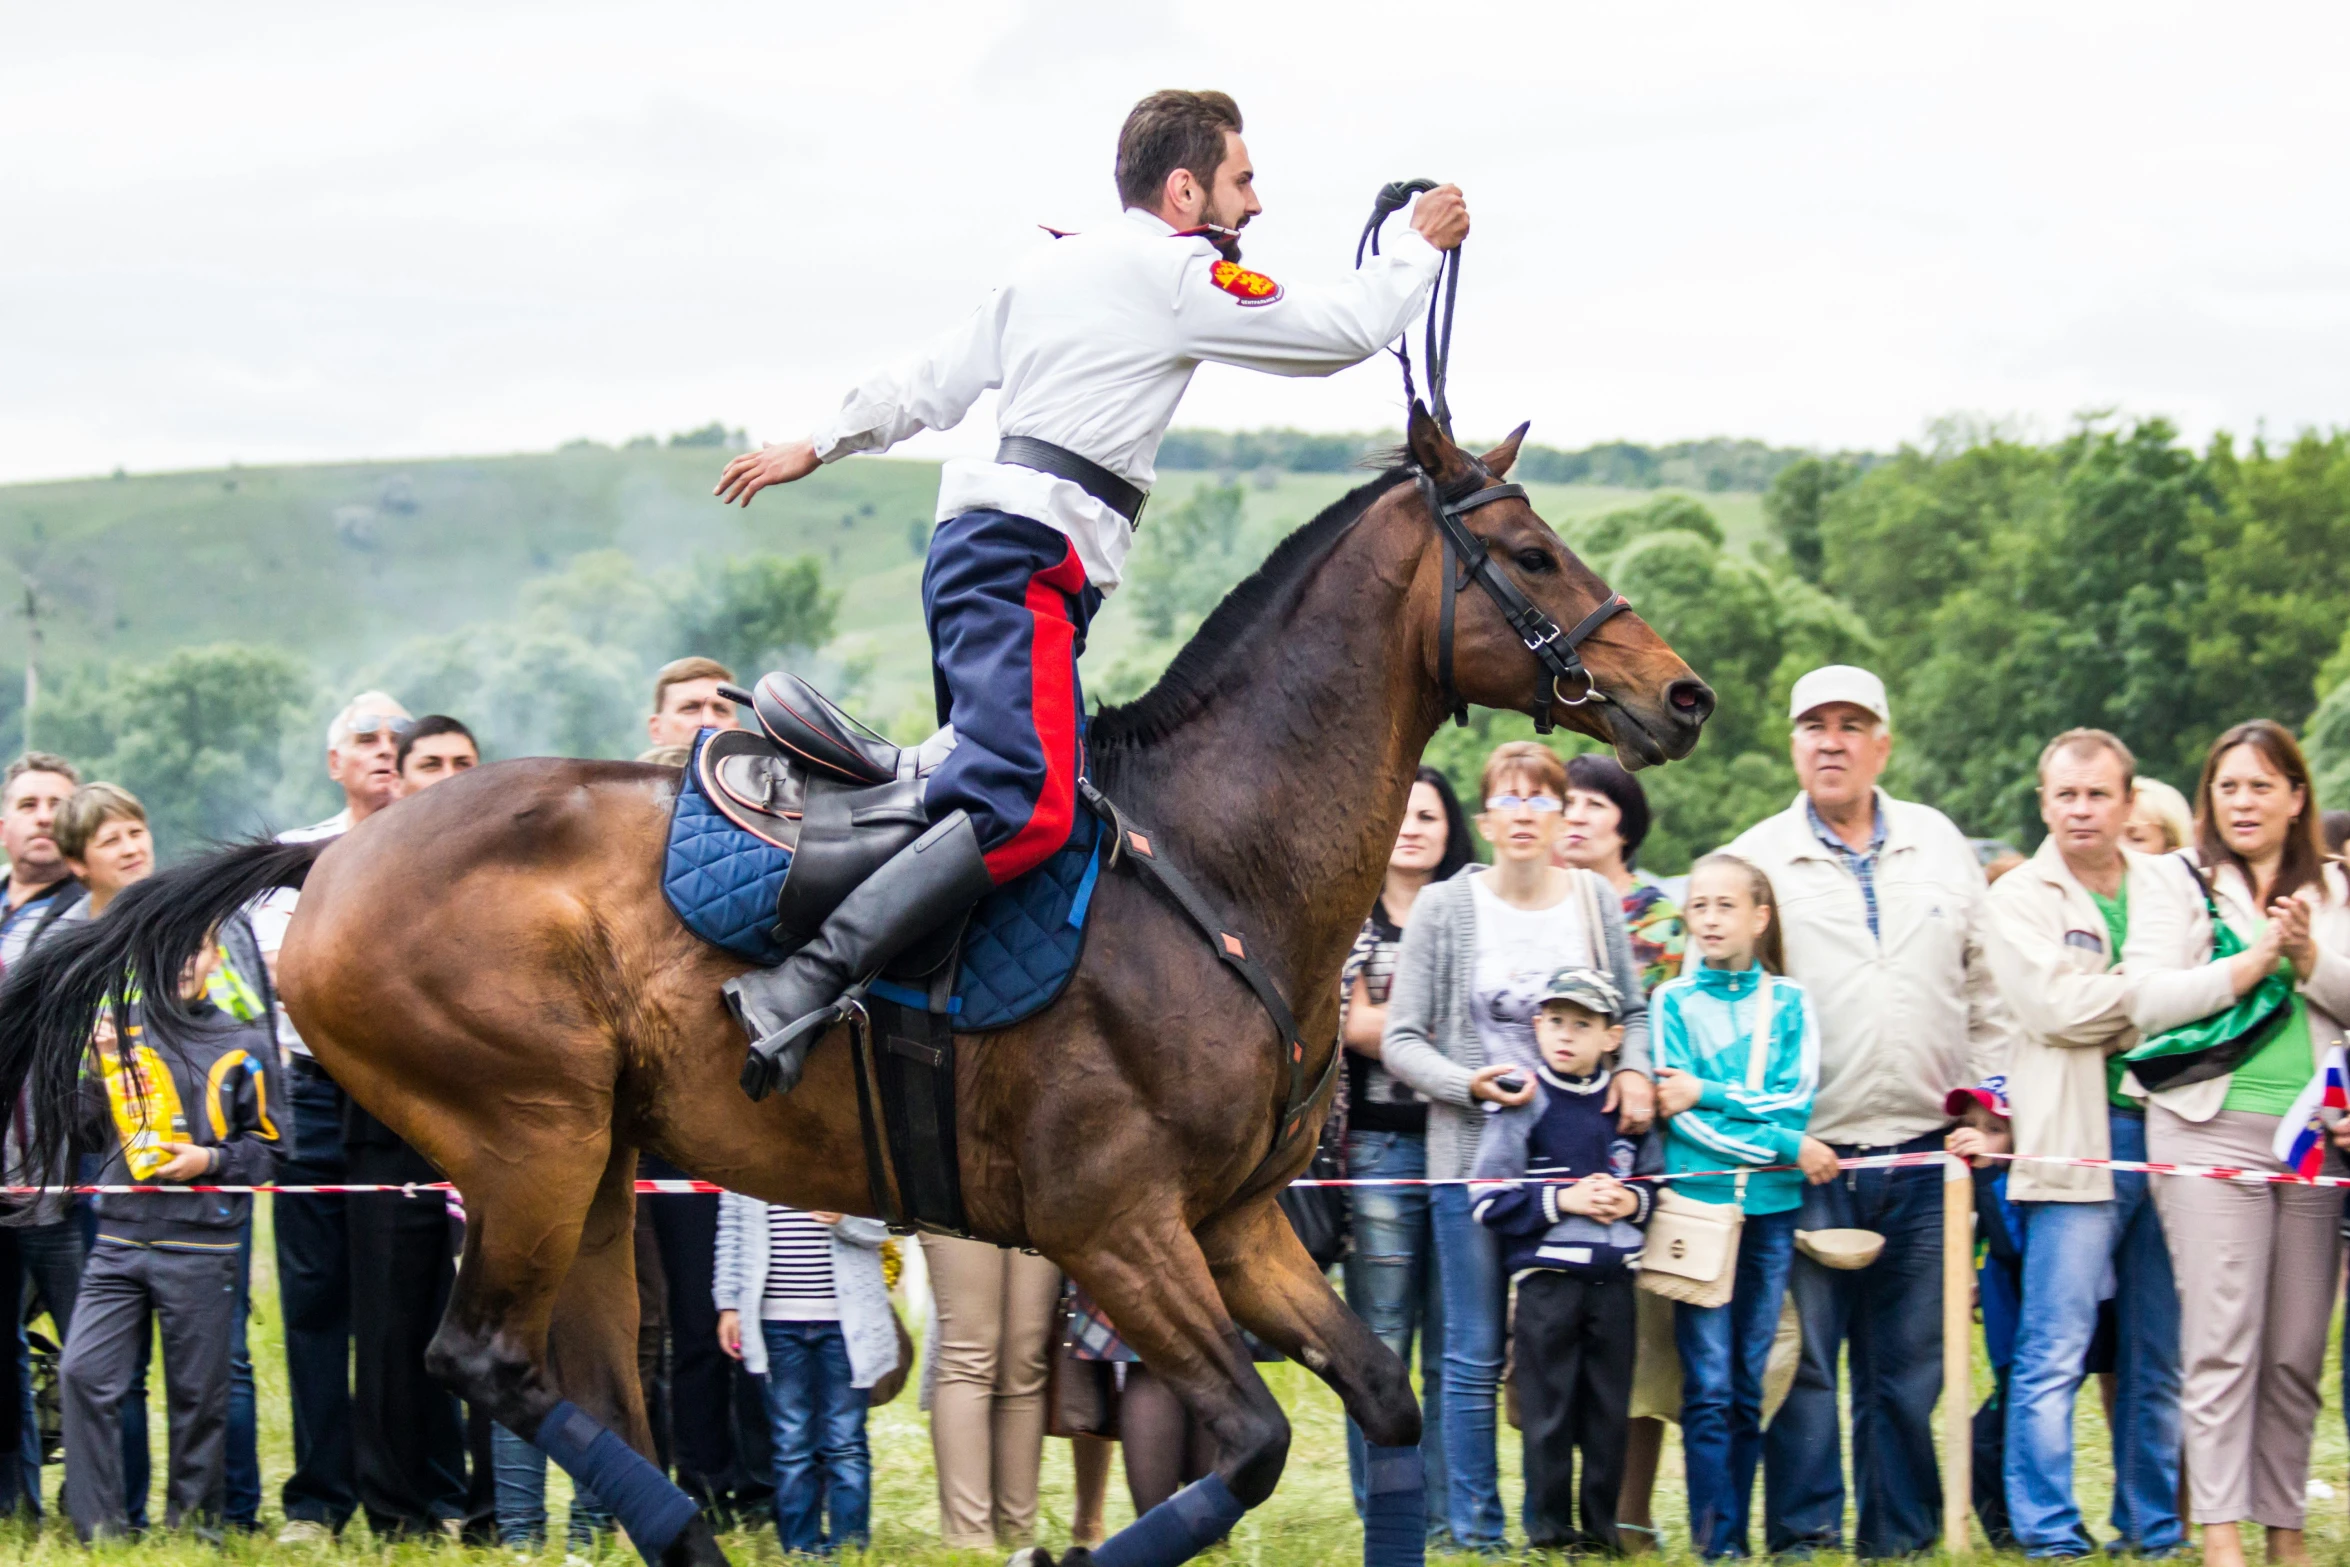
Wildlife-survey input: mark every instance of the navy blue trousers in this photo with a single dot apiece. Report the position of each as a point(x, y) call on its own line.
point(1007, 602)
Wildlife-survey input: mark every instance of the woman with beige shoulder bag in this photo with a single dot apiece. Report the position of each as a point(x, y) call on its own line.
point(1737, 1053)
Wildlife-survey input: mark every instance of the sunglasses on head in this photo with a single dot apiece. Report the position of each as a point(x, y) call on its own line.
point(1540, 804)
point(366, 726)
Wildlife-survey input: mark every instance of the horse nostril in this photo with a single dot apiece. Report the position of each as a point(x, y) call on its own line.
point(1692, 699)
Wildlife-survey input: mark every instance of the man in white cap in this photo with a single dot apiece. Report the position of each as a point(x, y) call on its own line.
point(1882, 910)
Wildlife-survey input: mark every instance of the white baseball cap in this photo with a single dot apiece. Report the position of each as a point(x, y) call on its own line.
point(1840, 683)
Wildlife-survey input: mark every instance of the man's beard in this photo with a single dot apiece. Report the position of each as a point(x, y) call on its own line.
point(1225, 237)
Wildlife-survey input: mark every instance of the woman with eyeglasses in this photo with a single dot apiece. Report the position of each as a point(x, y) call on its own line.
point(1460, 1031)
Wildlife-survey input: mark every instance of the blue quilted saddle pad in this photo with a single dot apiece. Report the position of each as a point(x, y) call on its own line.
point(1019, 949)
point(721, 880)
point(1023, 941)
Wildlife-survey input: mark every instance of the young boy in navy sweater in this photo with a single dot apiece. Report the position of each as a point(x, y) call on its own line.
point(1571, 1239)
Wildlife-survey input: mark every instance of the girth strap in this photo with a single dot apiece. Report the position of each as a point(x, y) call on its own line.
point(1132, 842)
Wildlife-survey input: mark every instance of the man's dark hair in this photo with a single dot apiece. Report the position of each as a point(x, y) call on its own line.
point(1172, 130)
point(424, 729)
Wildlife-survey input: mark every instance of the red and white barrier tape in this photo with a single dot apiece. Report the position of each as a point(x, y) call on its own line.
point(1882, 1161)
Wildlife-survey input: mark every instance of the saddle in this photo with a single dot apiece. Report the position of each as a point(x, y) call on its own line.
point(812, 781)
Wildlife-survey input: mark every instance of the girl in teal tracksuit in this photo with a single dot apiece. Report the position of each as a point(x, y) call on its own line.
point(1738, 1058)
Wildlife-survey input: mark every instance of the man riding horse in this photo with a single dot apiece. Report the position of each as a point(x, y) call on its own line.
point(1091, 343)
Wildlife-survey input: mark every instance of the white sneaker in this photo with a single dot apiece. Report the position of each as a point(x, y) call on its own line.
point(305, 1531)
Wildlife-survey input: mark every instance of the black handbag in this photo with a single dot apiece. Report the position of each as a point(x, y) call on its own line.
point(1320, 1214)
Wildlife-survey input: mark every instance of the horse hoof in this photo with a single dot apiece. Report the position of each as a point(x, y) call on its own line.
point(696, 1547)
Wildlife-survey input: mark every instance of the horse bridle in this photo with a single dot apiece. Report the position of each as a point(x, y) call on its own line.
point(1556, 650)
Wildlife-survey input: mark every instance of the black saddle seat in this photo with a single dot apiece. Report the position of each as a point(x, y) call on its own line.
point(813, 728)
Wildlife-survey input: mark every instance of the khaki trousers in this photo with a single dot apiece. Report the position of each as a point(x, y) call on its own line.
point(995, 1324)
point(2256, 1267)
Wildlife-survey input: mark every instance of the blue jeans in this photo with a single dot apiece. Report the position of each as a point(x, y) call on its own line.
point(2075, 1255)
point(1391, 1285)
point(822, 1466)
point(1475, 1294)
point(521, 1474)
point(1890, 1312)
point(1724, 1350)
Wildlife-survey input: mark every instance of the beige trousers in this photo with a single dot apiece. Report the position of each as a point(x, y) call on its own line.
point(2256, 1267)
point(995, 1322)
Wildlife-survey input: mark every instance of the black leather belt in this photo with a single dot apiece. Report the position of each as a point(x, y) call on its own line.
point(1023, 451)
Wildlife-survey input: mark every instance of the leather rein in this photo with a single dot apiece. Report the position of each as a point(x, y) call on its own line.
point(1466, 557)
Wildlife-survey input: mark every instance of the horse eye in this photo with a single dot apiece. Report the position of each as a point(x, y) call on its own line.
point(1536, 561)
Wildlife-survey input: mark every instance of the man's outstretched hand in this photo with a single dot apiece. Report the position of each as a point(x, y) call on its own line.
point(1442, 217)
point(752, 472)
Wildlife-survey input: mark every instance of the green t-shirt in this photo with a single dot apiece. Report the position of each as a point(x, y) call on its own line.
point(2116, 910)
point(2274, 1077)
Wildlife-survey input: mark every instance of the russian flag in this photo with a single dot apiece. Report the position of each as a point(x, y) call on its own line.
point(2301, 1135)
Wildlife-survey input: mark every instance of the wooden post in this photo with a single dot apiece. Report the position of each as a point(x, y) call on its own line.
point(1958, 1337)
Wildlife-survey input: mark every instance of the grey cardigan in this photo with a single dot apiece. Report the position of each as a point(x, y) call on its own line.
point(1431, 1041)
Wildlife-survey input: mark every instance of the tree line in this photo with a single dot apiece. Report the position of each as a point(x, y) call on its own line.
point(2006, 589)
point(228, 739)
point(1718, 464)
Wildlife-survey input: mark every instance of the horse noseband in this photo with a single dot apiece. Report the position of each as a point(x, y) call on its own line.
point(1555, 649)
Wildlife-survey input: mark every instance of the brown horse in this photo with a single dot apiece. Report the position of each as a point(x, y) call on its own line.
point(490, 968)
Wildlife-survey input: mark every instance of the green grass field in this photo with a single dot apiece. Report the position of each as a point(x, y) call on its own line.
point(1308, 1523)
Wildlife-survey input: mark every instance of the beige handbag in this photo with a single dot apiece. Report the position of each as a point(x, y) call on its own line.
point(1692, 1251)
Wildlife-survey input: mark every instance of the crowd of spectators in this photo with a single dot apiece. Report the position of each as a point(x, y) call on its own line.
point(1554, 1057)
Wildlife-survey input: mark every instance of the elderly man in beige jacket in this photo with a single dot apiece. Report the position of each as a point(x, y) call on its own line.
point(1881, 903)
point(2055, 939)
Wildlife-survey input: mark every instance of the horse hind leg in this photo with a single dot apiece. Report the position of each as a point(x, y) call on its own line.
point(1154, 1283)
point(541, 1332)
point(1273, 1289)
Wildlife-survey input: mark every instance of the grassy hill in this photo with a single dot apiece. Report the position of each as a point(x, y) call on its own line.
point(343, 562)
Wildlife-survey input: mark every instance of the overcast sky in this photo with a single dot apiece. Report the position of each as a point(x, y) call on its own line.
point(243, 232)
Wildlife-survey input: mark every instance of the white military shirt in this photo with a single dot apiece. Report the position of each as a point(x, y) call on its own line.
point(1093, 342)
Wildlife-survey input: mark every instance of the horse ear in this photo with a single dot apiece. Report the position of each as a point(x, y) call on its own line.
point(1502, 458)
point(1427, 444)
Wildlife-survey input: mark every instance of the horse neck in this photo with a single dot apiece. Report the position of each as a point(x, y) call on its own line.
point(1285, 792)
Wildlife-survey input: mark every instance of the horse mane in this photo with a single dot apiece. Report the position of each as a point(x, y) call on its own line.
point(1193, 678)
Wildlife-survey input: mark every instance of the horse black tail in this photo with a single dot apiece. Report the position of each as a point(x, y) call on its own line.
point(54, 996)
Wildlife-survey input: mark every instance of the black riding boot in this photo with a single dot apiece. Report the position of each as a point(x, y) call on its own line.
point(786, 1009)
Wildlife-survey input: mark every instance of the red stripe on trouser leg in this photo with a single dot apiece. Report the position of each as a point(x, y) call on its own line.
point(1052, 673)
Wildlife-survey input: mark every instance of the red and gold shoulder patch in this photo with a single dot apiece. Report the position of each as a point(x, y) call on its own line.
point(1250, 288)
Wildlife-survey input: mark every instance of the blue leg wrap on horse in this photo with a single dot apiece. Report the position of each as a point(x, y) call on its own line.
point(1395, 1508)
point(653, 1511)
point(1176, 1530)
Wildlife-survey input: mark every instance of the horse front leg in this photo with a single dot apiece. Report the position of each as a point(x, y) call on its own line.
point(1273, 1288)
point(541, 1332)
point(1149, 1275)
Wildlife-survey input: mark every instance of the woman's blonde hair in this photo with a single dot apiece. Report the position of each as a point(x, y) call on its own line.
point(1527, 759)
point(2169, 809)
point(89, 808)
point(1771, 950)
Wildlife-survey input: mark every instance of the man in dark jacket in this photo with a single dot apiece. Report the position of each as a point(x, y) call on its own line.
point(183, 1106)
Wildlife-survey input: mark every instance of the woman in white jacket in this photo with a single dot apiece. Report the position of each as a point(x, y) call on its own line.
point(810, 1285)
point(2257, 1263)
